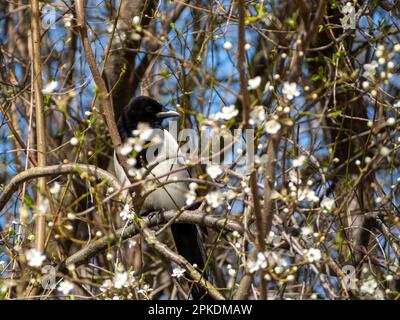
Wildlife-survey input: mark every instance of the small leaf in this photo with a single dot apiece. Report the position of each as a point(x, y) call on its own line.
point(334, 114)
point(315, 77)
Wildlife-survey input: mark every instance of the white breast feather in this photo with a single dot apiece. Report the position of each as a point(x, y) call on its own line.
point(172, 195)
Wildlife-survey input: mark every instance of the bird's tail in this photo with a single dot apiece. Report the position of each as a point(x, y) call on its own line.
point(189, 245)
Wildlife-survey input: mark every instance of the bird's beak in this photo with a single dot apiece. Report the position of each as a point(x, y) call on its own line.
point(165, 113)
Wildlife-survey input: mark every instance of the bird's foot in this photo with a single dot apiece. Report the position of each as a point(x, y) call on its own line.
point(154, 215)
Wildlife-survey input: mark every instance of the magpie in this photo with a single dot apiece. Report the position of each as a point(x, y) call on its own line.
point(168, 165)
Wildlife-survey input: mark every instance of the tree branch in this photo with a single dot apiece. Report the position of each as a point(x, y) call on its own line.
point(40, 172)
point(108, 109)
point(40, 120)
point(124, 233)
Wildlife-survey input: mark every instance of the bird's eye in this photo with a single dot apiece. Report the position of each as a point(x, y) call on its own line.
point(148, 108)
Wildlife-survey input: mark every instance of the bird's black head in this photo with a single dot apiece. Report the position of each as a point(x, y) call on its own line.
point(142, 109)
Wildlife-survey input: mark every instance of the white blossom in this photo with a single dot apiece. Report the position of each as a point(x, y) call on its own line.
point(290, 90)
point(120, 280)
point(228, 46)
point(145, 290)
point(135, 20)
point(349, 19)
point(107, 284)
point(67, 18)
point(50, 87)
point(178, 272)
point(368, 286)
point(299, 162)
point(214, 170)
point(127, 213)
point(74, 141)
point(294, 177)
point(391, 121)
point(141, 135)
point(252, 266)
point(307, 194)
point(131, 162)
point(370, 70)
point(191, 194)
point(328, 204)
point(306, 231)
point(232, 272)
point(227, 113)
point(313, 255)
point(190, 197)
point(143, 131)
point(34, 257)
point(257, 115)
point(389, 277)
point(56, 188)
point(254, 83)
point(260, 263)
point(214, 199)
point(365, 85)
point(125, 149)
point(272, 126)
point(193, 186)
point(384, 151)
point(65, 287)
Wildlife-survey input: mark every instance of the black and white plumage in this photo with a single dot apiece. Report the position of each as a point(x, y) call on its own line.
point(168, 165)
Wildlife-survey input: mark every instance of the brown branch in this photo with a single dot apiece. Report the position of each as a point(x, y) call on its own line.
point(269, 179)
point(150, 237)
point(304, 9)
point(40, 120)
point(119, 69)
point(40, 172)
point(124, 233)
point(108, 110)
point(103, 92)
point(246, 115)
point(260, 232)
point(16, 135)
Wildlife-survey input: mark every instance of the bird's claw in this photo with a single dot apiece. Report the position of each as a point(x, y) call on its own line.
point(155, 214)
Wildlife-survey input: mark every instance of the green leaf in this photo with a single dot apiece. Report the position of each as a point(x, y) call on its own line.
point(355, 73)
point(46, 100)
point(28, 201)
point(315, 77)
point(334, 114)
point(165, 73)
point(200, 118)
point(251, 19)
point(291, 22)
